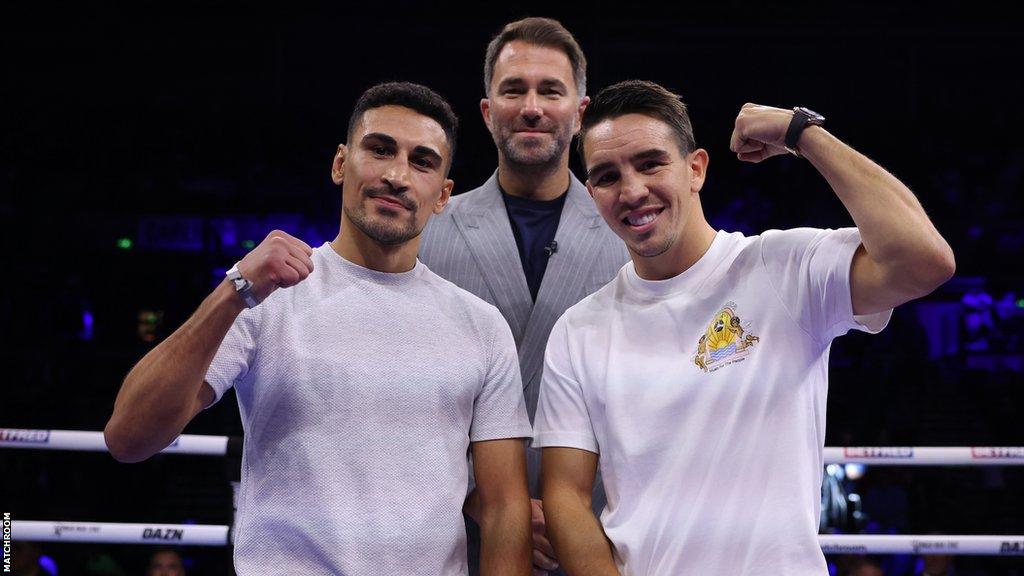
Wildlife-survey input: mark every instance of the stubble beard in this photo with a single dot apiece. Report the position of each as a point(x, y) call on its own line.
point(380, 230)
point(529, 158)
point(652, 251)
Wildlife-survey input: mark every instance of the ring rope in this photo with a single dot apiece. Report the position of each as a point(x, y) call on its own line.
point(83, 441)
point(213, 535)
point(219, 446)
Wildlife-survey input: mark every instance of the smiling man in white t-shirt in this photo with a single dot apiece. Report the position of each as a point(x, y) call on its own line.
point(697, 378)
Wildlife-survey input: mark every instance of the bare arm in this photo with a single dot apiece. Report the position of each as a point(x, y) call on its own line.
point(903, 256)
point(567, 479)
point(165, 390)
point(503, 506)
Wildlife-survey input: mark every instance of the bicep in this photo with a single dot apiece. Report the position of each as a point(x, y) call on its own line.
point(568, 469)
point(875, 288)
point(499, 467)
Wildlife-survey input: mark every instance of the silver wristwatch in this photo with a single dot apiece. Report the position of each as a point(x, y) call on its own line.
point(242, 286)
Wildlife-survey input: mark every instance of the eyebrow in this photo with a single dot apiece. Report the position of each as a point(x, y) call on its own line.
point(645, 155)
point(420, 150)
point(545, 83)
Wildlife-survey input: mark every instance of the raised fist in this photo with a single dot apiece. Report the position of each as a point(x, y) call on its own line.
point(280, 261)
point(760, 132)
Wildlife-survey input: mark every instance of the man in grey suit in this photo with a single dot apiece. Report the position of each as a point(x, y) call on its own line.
point(530, 240)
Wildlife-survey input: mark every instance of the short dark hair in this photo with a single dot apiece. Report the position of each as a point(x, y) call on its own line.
point(540, 32)
point(640, 97)
point(415, 97)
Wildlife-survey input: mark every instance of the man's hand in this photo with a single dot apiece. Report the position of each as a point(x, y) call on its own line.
point(760, 132)
point(543, 552)
point(280, 261)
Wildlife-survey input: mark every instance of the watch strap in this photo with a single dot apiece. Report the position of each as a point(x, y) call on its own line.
point(242, 286)
point(796, 128)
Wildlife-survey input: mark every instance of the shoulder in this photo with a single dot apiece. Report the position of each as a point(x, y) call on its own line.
point(470, 199)
point(466, 202)
point(799, 237)
point(597, 308)
point(463, 301)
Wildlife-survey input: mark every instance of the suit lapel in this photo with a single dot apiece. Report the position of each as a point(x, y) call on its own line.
point(484, 225)
point(564, 279)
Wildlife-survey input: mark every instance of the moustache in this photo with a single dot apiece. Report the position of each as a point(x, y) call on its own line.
point(537, 127)
point(387, 193)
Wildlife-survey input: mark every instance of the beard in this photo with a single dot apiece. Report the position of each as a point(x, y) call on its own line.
point(650, 247)
point(381, 229)
point(534, 153)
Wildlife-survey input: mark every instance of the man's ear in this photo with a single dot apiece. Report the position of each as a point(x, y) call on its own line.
point(698, 164)
point(485, 111)
point(579, 113)
point(338, 167)
point(446, 194)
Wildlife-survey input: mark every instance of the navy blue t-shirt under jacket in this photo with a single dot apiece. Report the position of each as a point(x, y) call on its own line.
point(534, 223)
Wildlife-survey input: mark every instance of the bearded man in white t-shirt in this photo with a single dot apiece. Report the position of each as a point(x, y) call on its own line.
point(363, 379)
point(697, 378)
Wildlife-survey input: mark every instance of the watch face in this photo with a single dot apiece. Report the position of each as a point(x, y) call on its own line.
point(812, 116)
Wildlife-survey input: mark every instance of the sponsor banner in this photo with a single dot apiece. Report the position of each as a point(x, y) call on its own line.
point(118, 533)
point(1012, 548)
point(23, 436)
point(986, 452)
point(894, 452)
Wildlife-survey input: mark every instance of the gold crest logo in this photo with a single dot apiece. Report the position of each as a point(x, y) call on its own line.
point(725, 341)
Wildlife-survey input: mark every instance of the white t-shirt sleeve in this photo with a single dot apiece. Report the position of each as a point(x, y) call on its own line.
point(810, 271)
point(235, 356)
point(499, 410)
point(562, 417)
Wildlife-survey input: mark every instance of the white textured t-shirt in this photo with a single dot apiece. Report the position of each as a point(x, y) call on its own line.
point(704, 396)
point(360, 392)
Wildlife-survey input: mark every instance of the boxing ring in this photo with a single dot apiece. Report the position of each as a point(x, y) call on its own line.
point(216, 535)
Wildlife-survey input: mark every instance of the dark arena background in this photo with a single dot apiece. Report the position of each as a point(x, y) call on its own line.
point(145, 147)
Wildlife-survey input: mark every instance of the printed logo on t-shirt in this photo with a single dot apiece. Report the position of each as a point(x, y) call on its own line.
point(726, 341)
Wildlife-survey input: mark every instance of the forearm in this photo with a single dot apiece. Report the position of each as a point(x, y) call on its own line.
point(505, 537)
point(894, 228)
point(162, 392)
point(576, 535)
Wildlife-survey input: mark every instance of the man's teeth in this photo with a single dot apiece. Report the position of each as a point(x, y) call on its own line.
point(641, 220)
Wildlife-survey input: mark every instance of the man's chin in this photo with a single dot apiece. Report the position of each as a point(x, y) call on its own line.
point(539, 154)
point(648, 249)
point(540, 158)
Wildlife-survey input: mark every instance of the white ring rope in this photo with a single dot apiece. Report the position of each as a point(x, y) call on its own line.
point(207, 535)
point(877, 455)
point(930, 544)
point(119, 533)
point(93, 441)
point(927, 455)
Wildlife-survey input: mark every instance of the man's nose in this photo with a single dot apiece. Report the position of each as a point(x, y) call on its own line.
point(397, 174)
point(532, 110)
point(632, 191)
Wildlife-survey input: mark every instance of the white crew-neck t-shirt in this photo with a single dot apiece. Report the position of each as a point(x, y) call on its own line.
point(360, 392)
point(704, 396)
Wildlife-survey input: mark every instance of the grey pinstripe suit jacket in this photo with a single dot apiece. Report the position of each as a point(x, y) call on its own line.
point(471, 244)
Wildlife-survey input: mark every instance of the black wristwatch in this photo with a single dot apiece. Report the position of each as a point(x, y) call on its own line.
point(802, 118)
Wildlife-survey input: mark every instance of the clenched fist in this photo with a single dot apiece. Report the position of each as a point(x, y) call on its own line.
point(760, 132)
point(280, 261)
